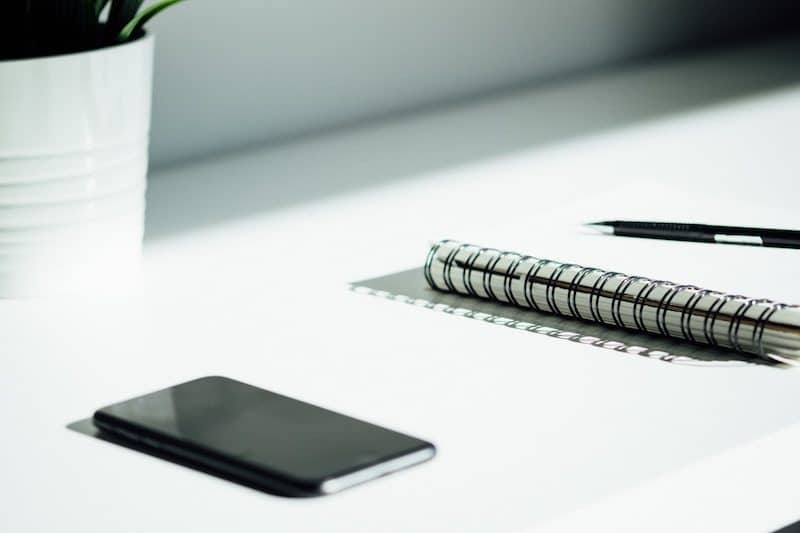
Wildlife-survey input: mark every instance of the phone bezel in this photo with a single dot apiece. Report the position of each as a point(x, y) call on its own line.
point(255, 474)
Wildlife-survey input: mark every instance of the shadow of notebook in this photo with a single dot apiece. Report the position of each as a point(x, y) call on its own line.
point(409, 286)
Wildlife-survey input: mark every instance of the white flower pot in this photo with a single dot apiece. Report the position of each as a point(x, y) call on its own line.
point(73, 165)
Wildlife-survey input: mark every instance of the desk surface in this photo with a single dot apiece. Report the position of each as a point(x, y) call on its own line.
point(233, 283)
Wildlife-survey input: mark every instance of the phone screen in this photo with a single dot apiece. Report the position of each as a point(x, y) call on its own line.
point(268, 438)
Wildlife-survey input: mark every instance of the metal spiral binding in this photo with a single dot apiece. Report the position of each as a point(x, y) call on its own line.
point(671, 319)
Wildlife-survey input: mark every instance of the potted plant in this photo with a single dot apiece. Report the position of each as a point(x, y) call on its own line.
point(75, 84)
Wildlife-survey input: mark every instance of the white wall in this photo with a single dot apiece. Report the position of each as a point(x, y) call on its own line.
point(236, 73)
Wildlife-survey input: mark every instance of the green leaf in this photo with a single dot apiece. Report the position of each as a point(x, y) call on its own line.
point(120, 14)
point(134, 26)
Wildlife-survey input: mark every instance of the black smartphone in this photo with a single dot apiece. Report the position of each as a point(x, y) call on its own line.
point(261, 438)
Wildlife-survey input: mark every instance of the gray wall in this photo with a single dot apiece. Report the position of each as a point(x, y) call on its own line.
point(238, 73)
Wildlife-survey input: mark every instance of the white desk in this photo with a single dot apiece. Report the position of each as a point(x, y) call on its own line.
point(246, 267)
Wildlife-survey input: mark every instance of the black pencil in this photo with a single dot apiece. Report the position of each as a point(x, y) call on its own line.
point(676, 231)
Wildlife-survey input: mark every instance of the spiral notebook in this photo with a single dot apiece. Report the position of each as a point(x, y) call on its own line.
point(756, 326)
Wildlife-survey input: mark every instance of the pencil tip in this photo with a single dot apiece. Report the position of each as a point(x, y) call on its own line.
point(601, 227)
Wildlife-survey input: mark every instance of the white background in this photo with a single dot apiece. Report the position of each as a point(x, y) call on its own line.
point(238, 73)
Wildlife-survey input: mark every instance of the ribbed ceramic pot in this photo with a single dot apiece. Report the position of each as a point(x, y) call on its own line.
point(73, 165)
